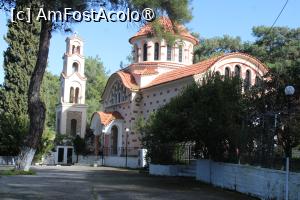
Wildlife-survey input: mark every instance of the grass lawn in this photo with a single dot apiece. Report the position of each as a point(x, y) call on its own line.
point(13, 172)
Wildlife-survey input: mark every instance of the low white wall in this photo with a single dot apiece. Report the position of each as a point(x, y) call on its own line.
point(260, 182)
point(8, 160)
point(115, 161)
point(164, 170)
point(86, 160)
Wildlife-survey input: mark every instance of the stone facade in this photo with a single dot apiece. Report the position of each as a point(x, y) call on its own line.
point(74, 115)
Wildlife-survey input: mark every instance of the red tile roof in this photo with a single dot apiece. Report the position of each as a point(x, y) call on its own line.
point(198, 68)
point(156, 64)
point(127, 79)
point(183, 72)
point(145, 71)
point(107, 117)
point(169, 27)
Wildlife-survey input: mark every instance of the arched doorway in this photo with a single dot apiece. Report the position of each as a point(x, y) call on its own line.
point(114, 140)
point(73, 127)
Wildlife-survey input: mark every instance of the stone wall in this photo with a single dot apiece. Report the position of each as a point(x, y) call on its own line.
point(78, 117)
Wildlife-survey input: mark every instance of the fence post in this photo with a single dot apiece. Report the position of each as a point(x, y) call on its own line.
point(190, 154)
point(287, 178)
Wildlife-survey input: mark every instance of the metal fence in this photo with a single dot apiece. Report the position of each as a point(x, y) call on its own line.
point(272, 161)
point(174, 154)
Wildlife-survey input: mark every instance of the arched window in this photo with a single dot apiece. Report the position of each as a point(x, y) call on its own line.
point(118, 93)
point(218, 73)
point(136, 53)
point(156, 51)
point(145, 52)
point(180, 53)
point(76, 95)
point(258, 81)
point(119, 97)
point(72, 95)
point(227, 72)
point(114, 140)
point(247, 82)
point(237, 71)
point(78, 50)
point(75, 67)
point(73, 49)
point(73, 127)
point(169, 52)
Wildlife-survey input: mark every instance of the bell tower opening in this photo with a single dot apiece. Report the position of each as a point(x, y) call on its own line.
point(145, 52)
point(156, 51)
point(76, 95)
point(75, 67)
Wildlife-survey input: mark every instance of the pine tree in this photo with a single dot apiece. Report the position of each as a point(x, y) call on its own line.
point(19, 62)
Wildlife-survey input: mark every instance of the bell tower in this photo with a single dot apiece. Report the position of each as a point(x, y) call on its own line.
point(71, 111)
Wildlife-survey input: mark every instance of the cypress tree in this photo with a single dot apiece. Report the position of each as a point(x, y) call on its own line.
point(19, 62)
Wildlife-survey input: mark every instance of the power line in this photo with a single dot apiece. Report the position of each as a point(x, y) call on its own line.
point(279, 14)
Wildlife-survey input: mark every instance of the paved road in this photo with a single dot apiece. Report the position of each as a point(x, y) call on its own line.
point(104, 183)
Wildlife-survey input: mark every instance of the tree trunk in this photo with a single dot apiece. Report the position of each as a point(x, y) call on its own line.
point(36, 108)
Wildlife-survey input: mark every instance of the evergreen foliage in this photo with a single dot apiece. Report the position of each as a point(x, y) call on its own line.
point(96, 81)
point(46, 144)
point(209, 115)
point(79, 146)
point(223, 123)
point(216, 46)
point(50, 94)
point(19, 61)
point(278, 48)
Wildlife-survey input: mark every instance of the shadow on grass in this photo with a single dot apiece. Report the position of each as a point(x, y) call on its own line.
point(13, 172)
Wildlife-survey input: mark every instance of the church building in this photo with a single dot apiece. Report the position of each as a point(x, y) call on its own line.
point(159, 72)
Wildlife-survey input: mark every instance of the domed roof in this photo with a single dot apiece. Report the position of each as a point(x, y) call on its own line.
point(178, 29)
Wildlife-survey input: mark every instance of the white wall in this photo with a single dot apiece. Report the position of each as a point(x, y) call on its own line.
point(115, 161)
point(165, 170)
point(260, 182)
point(8, 160)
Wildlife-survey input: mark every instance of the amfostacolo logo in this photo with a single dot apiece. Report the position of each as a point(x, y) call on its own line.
point(101, 15)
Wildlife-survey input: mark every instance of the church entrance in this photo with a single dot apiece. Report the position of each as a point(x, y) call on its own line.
point(114, 140)
point(64, 155)
point(69, 155)
point(60, 158)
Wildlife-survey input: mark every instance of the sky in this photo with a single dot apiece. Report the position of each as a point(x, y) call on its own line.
point(210, 18)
